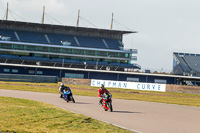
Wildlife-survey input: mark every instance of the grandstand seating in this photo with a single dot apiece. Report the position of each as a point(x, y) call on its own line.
point(57, 38)
point(29, 58)
point(198, 59)
point(73, 61)
point(122, 65)
point(15, 57)
point(91, 62)
point(3, 56)
point(91, 42)
point(103, 63)
point(192, 62)
point(26, 36)
point(112, 44)
point(183, 64)
point(189, 63)
point(8, 33)
point(57, 60)
point(37, 37)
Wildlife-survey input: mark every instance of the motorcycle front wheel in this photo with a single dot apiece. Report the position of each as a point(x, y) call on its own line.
point(72, 99)
point(110, 106)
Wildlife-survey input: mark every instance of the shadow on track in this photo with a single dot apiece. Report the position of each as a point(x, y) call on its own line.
point(125, 112)
point(82, 103)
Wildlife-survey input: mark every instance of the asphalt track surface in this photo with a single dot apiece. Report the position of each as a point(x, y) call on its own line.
point(138, 116)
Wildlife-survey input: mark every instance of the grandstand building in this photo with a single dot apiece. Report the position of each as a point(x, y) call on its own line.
point(186, 64)
point(33, 45)
point(45, 51)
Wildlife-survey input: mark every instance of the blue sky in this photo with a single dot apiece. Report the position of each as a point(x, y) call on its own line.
point(164, 26)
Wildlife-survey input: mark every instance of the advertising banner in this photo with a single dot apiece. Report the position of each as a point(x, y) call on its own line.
point(129, 85)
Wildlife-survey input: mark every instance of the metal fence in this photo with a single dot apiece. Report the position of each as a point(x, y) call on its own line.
point(28, 78)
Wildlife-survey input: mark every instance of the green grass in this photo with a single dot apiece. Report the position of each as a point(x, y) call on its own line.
point(150, 96)
point(21, 116)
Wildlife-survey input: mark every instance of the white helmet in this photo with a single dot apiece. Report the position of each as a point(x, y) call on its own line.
point(62, 84)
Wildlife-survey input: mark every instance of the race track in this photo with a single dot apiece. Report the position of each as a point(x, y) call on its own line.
point(146, 117)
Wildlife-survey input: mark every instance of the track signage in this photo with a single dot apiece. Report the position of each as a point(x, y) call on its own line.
point(130, 85)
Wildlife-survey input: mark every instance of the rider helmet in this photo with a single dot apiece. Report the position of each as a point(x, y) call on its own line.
point(102, 86)
point(62, 84)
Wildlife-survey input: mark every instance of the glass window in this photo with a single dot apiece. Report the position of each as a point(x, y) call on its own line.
point(20, 53)
point(31, 48)
point(67, 51)
point(6, 70)
point(56, 50)
point(14, 70)
point(41, 55)
point(102, 53)
point(112, 54)
point(72, 75)
point(19, 47)
point(126, 55)
point(5, 52)
point(160, 81)
point(123, 55)
point(31, 71)
point(6, 46)
point(132, 79)
point(76, 51)
point(89, 52)
point(43, 49)
point(39, 72)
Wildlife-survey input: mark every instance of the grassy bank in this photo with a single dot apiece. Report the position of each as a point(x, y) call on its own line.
point(162, 97)
point(19, 115)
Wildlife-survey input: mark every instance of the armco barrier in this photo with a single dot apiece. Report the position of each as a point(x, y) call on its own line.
point(28, 78)
point(169, 88)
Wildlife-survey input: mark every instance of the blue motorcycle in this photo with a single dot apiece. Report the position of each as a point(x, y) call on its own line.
point(68, 95)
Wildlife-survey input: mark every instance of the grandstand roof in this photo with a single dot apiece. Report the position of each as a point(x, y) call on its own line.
point(62, 27)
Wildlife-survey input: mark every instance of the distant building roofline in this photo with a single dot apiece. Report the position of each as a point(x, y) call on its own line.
point(181, 53)
point(63, 27)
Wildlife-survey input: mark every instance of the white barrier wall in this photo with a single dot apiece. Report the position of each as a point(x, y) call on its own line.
point(129, 85)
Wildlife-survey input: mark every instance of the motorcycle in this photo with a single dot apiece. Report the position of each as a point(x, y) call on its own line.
point(67, 96)
point(107, 102)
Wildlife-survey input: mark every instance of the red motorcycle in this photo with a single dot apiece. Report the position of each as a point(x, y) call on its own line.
point(107, 102)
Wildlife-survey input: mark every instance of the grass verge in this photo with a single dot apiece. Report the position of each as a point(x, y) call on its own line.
point(150, 96)
point(21, 116)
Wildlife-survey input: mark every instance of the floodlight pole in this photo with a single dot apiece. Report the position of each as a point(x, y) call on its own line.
point(77, 24)
point(43, 14)
point(111, 22)
point(7, 12)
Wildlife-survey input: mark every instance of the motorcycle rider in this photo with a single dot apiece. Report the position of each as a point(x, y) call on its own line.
point(101, 91)
point(61, 89)
point(67, 93)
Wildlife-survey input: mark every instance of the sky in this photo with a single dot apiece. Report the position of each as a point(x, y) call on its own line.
point(163, 26)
